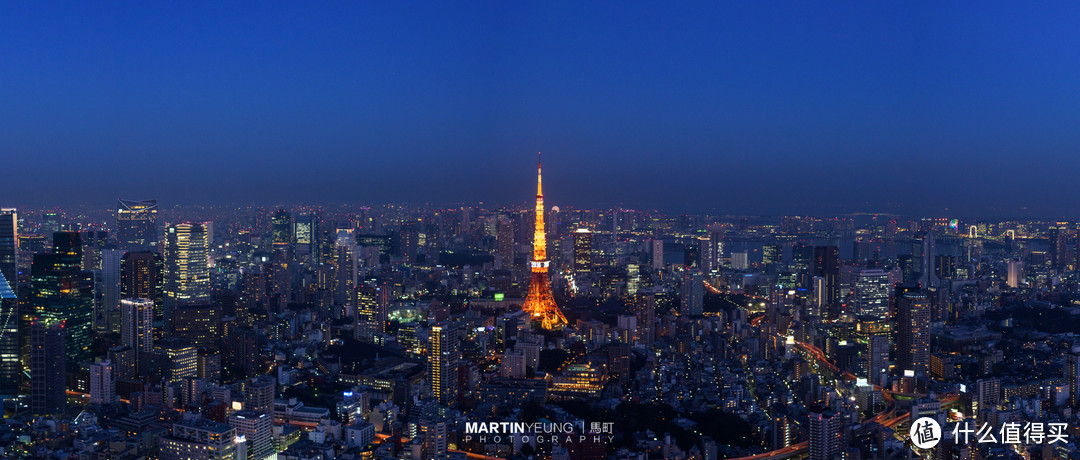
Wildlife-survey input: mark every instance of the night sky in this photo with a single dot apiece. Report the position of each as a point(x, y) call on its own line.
point(727, 107)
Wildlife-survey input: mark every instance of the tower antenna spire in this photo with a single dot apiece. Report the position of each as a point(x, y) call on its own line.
point(539, 169)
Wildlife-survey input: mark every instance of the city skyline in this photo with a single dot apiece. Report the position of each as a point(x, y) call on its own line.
point(726, 109)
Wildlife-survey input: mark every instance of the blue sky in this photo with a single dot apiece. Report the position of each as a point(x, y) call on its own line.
point(733, 107)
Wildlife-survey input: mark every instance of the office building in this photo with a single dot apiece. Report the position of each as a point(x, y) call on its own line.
point(48, 392)
point(872, 289)
point(137, 328)
point(141, 277)
point(62, 292)
point(582, 251)
point(371, 318)
point(136, 224)
point(200, 325)
point(827, 267)
point(9, 302)
point(187, 271)
point(180, 359)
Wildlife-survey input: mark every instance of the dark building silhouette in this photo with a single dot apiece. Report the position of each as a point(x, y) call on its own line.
point(48, 395)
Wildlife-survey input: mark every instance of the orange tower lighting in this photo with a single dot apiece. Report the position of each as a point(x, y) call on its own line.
point(540, 304)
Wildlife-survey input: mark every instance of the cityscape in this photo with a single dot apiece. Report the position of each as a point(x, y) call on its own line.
point(758, 231)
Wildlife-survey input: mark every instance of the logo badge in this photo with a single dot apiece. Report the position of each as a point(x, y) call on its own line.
point(925, 433)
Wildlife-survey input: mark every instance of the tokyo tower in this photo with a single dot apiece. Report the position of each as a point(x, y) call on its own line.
point(539, 304)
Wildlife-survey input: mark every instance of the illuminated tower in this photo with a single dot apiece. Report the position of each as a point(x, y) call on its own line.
point(539, 303)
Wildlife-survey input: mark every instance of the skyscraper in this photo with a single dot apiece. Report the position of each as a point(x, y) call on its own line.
point(136, 224)
point(137, 328)
point(305, 241)
point(281, 230)
point(198, 324)
point(878, 359)
point(504, 237)
point(657, 250)
point(539, 303)
point(582, 251)
point(62, 292)
point(9, 302)
point(443, 356)
point(370, 320)
point(1015, 274)
point(187, 272)
point(141, 277)
point(872, 289)
point(827, 266)
point(48, 394)
point(692, 294)
point(111, 272)
point(913, 333)
point(645, 310)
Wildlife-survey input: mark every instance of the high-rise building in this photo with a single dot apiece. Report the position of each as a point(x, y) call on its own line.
point(1015, 275)
point(582, 251)
point(370, 318)
point(305, 241)
point(716, 247)
point(137, 329)
point(913, 333)
point(107, 316)
point(827, 266)
point(504, 237)
point(539, 303)
point(692, 294)
point(345, 266)
point(102, 383)
point(705, 255)
point(202, 440)
point(645, 309)
point(878, 359)
point(772, 254)
point(9, 302)
point(872, 289)
point(141, 277)
point(443, 356)
point(259, 394)
point(48, 393)
point(657, 250)
point(181, 359)
point(1072, 376)
point(281, 230)
point(200, 325)
point(257, 430)
point(62, 292)
point(136, 224)
point(824, 435)
point(923, 249)
point(187, 271)
point(802, 258)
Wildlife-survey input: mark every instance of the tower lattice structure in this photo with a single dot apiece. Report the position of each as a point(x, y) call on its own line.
point(540, 304)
